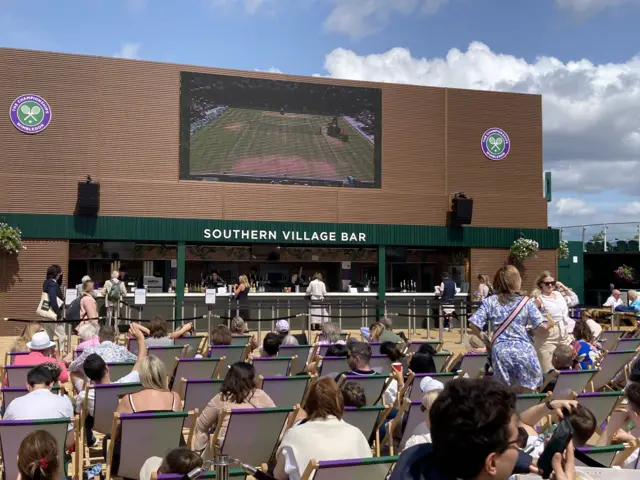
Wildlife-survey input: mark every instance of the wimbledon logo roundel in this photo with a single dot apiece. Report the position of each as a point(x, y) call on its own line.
point(495, 144)
point(30, 113)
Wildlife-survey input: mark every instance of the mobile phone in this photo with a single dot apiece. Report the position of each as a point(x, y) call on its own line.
point(557, 444)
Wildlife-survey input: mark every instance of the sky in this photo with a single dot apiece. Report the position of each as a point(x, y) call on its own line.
point(583, 56)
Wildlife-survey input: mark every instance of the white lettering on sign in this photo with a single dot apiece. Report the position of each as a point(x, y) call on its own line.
point(285, 235)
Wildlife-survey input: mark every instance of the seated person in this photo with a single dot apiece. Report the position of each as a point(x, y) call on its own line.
point(178, 461)
point(270, 346)
point(358, 359)
point(614, 433)
point(387, 334)
point(88, 334)
point(239, 328)
point(583, 346)
point(353, 395)
point(108, 350)
point(393, 352)
point(158, 335)
point(595, 327)
point(614, 300)
point(562, 359)
point(41, 350)
point(41, 403)
point(323, 435)
point(423, 363)
point(580, 417)
point(221, 335)
point(38, 457)
point(421, 433)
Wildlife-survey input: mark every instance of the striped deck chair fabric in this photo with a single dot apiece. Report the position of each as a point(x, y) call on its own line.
point(12, 432)
point(376, 468)
point(193, 342)
point(197, 393)
point(373, 385)
point(611, 364)
point(232, 353)
point(167, 354)
point(233, 473)
point(473, 364)
point(253, 433)
point(413, 418)
point(9, 394)
point(17, 374)
point(608, 339)
point(144, 435)
point(441, 359)
point(603, 455)
point(626, 344)
point(569, 381)
point(380, 364)
point(414, 346)
point(601, 404)
point(132, 345)
point(119, 370)
point(273, 366)
point(364, 419)
point(10, 357)
point(375, 348)
point(240, 340)
point(194, 368)
point(527, 400)
point(333, 366)
point(106, 402)
point(285, 391)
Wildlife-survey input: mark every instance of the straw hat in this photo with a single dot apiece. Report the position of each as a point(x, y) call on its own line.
point(40, 341)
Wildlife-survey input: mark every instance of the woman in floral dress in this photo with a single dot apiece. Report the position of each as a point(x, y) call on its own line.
point(513, 356)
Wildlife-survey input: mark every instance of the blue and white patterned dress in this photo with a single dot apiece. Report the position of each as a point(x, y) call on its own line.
point(513, 356)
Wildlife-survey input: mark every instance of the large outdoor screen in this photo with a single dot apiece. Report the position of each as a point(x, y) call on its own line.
point(239, 129)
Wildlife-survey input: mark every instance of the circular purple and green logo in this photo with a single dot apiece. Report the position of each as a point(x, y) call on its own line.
point(30, 113)
point(495, 144)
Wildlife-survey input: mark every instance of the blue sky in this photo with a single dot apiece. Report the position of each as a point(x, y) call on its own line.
point(580, 54)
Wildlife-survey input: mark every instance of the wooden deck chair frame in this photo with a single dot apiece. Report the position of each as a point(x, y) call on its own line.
point(314, 465)
point(616, 404)
point(620, 459)
point(292, 361)
point(173, 376)
point(395, 424)
point(9, 357)
point(116, 426)
point(200, 348)
point(384, 411)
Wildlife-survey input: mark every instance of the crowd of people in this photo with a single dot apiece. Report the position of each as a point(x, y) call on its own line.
point(528, 338)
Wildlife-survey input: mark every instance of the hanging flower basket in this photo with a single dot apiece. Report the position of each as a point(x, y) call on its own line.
point(626, 273)
point(563, 249)
point(524, 248)
point(10, 239)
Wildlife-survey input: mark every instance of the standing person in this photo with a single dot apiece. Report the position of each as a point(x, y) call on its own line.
point(88, 305)
point(318, 291)
point(113, 291)
point(484, 288)
point(448, 290)
point(51, 286)
point(553, 306)
point(241, 293)
point(513, 356)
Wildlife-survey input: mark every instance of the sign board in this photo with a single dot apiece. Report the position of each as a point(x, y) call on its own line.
point(575, 259)
point(30, 113)
point(70, 295)
point(495, 144)
point(346, 265)
point(140, 297)
point(210, 296)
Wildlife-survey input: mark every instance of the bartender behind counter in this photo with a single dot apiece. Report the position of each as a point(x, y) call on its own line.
point(212, 280)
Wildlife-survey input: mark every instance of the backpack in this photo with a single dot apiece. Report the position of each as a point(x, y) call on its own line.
point(114, 292)
point(73, 310)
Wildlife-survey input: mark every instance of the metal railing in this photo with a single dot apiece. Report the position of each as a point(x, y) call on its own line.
point(605, 237)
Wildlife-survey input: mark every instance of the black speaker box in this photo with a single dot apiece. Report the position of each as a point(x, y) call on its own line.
point(462, 211)
point(88, 202)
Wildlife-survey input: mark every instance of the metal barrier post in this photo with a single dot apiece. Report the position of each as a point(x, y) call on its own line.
point(441, 323)
point(259, 339)
point(209, 319)
point(340, 313)
point(221, 464)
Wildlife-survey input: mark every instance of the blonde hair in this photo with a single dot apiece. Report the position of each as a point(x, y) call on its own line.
point(153, 374)
point(317, 276)
point(330, 332)
point(375, 331)
point(428, 399)
point(238, 326)
point(88, 331)
point(20, 345)
point(632, 294)
point(484, 279)
point(243, 280)
point(507, 283)
point(537, 290)
point(87, 287)
point(115, 274)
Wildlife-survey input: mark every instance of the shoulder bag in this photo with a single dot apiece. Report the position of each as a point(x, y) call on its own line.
point(512, 316)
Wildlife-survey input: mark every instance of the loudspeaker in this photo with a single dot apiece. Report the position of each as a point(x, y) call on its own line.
point(88, 202)
point(461, 211)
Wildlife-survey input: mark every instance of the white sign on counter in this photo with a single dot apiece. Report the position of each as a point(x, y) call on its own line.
point(140, 296)
point(353, 290)
point(70, 295)
point(210, 296)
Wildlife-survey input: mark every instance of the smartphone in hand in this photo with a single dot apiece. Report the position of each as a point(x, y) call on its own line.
point(557, 444)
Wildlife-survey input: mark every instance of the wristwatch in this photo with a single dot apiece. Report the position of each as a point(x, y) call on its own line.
point(548, 404)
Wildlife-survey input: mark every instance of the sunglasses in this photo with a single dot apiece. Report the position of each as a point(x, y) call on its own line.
point(549, 284)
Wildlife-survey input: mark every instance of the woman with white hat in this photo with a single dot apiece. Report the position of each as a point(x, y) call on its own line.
point(42, 350)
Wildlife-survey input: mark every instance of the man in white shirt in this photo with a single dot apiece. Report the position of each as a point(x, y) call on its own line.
point(614, 300)
point(40, 403)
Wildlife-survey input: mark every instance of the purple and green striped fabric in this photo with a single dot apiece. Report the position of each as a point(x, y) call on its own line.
point(233, 473)
point(48, 421)
point(357, 461)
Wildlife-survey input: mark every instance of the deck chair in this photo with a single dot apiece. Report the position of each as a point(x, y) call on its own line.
point(273, 366)
point(197, 393)
point(12, 432)
point(376, 468)
point(285, 391)
point(601, 404)
point(194, 343)
point(9, 357)
point(144, 435)
point(368, 420)
point(626, 344)
point(473, 365)
point(194, 368)
point(373, 385)
point(527, 400)
point(375, 348)
point(17, 374)
point(610, 365)
point(344, 336)
point(416, 394)
point(333, 366)
point(232, 353)
point(9, 394)
point(168, 354)
point(608, 339)
point(569, 381)
point(321, 350)
point(132, 345)
point(303, 352)
point(252, 433)
point(240, 340)
point(414, 346)
point(106, 402)
point(441, 359)
point(380, 364)
point(605, 455)
point(233, 473)
point(119, 370)
point(403, 425)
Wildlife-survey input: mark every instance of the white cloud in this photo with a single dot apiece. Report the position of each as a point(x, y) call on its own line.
point(573, 207)
point(589, 7)
point(360, 18)
point(269, 70)
point(128, 50)
point(632, 208)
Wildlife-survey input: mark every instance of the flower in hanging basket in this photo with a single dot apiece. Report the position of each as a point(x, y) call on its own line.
point(524, 248)
point(563, 249)
point(626, 273)
point(10, 239)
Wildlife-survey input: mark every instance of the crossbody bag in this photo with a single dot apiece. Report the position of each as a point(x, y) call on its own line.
point(512, 316)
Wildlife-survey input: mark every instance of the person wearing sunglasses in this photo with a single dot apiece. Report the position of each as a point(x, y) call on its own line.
point(548, 297)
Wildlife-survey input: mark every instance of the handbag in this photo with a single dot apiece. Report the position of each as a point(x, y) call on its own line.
point(512, 316)
point(44, 309)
